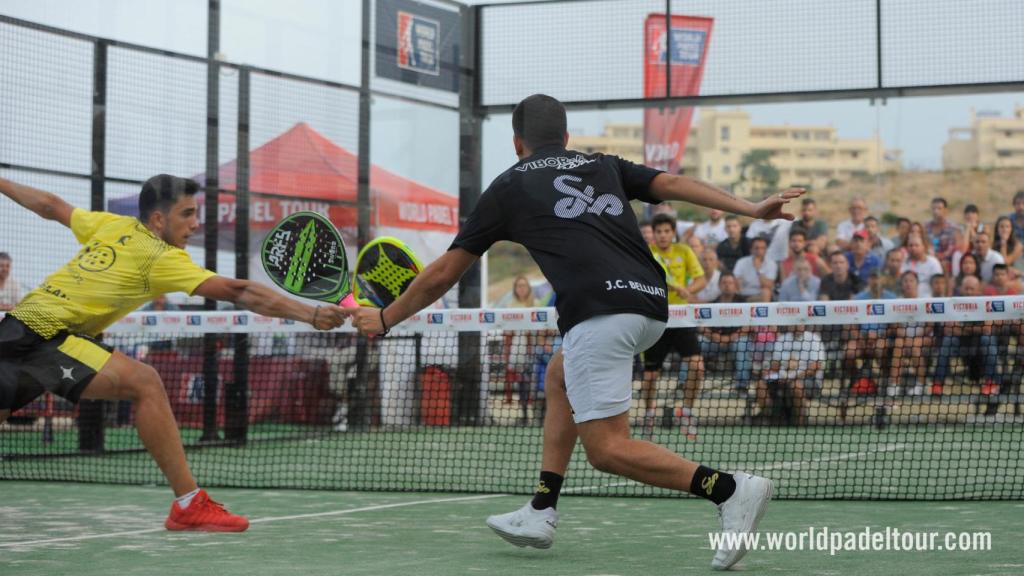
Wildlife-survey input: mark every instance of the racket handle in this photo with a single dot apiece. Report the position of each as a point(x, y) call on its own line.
point(349, 302)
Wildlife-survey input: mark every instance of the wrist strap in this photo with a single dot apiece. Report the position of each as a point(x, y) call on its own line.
point(383, 324)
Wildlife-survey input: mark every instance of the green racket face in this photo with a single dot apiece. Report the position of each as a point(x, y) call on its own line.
point(304, 254)
point(385, 269)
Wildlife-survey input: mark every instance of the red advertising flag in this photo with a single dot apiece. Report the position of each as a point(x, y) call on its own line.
point(665, 129)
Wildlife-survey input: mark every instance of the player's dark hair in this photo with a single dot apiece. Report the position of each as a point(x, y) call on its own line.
point(539, 120)
point(660, 219)
point(161, 192)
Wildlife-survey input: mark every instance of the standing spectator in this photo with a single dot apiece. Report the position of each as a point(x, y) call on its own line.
point(878, 245)
point(1007, 244)
point(939, 284)
point(862, 260)
point(844, 232)
point(735, 246)
point(840, 284)
point(1017, 216)
point(712, 231)
point(987, 257)
point(802, 285)
point(10, 292)
point(795, 372)
point(731, 339)
point(756, 273)
point(902, 233)
point(892, 269)
point(713, 273)
point(968, 269)
point(1000, 285)
point(798, 250)
point(941, 230)
point(969, 340)
point(919, 262)
point(815, 230)
point(647, 232)
point(695, 244)
point(972, 222)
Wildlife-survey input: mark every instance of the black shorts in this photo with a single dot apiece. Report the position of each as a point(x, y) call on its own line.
point(682, 340)
point(31, 365)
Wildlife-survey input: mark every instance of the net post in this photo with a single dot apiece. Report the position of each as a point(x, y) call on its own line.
point(212, 191)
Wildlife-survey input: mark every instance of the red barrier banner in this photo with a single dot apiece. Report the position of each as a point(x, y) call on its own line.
point(665, 129)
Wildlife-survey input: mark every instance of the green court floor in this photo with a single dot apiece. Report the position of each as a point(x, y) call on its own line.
point(85, 529)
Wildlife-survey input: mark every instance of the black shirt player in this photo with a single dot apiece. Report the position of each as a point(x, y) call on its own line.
point(571, 211)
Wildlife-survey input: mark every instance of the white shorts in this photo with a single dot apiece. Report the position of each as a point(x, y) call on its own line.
point(598, 357)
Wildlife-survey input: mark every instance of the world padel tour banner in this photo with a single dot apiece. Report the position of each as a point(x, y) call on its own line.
point(418, 44)
point(665, 129)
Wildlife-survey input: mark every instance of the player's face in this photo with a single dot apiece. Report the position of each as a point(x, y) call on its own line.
point(182, 221)
point(664, 236)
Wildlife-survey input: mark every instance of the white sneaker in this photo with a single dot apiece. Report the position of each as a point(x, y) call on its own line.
point(740, 514)
point(526, 526)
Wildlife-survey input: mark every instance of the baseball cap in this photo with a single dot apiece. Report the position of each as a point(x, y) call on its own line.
point(863, 234)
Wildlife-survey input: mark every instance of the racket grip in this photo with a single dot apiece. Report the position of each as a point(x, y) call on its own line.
point(349, 302)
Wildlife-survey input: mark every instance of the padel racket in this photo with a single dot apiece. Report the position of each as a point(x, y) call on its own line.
point(305, 255)
point(385, 268)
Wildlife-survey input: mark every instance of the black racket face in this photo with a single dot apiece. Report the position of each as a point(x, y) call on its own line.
point(304, 254)
point(384, 271)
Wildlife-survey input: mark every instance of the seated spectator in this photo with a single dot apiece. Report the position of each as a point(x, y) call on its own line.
point(518, 344)
point(969, 340)
point(972, 223)
point(160, 304)
point(919, 262)
point(917, 229)
point(798, 250)
point(910, 341)
point(865, 343)
point(712, 231)
point(735, 246)
point(647, 232)
point(713, 273)
point(862, 260)
point(899, 240)
point(840, 284)
point(1000, 285)
point(734, 340)
point(802, 285)
point(941, 230)
point(960, 247)
point(1017, 216)
point(939, 284)
point(968, 267)
point(796, 371)
point(815, 230)
point(878, 245)
point(846, 228)
point(10, 292)
point(695, 244)
point(892, 269)
point(875, 289)
point(756, 273)
point(1008, 245)
point(987, 257)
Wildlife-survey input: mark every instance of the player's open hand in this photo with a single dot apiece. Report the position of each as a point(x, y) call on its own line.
point(772, 207)
point(367, 321)
point(328, 317)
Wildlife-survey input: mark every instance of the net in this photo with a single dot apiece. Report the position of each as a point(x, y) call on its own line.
point(830, 399)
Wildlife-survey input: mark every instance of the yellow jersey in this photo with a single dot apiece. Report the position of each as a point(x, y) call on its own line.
point(681, 266)
point(121, 266)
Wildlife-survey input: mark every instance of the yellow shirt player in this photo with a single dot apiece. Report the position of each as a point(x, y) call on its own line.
point(685, 277)
point(47, 341)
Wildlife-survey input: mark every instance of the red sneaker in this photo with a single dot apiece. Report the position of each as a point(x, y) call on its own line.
point(205, 515)
point(936, 388)
point(989, 388)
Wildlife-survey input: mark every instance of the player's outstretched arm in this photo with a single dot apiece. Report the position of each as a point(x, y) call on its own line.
point(43, 203)
point(429, 285)
point(670, 187)
point(263, 300)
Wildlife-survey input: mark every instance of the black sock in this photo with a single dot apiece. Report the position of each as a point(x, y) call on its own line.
point(712, 484)
point(548, 488)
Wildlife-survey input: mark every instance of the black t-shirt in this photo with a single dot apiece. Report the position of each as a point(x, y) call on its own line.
point(729, 254)
point(571, 211)
point(840, 291)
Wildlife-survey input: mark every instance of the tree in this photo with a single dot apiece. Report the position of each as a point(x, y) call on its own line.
point(756, 168)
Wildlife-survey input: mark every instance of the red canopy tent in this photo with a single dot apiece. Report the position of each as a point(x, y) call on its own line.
point(303, 170)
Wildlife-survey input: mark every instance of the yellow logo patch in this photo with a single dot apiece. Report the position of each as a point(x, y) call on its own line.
point(708, 484)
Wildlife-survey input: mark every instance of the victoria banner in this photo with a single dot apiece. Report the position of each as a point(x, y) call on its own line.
point(417, 44)
point(685, 51)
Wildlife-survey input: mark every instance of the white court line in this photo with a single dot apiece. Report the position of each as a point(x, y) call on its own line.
point(256, 521)
point(581, 489)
